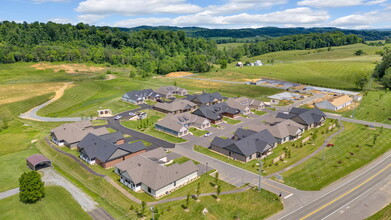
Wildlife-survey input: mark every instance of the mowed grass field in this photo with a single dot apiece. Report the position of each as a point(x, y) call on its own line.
point(249, 205)
point(86, 97)
point(352, 149)
point(57, 204)
point(337, 68)
point(375, 106)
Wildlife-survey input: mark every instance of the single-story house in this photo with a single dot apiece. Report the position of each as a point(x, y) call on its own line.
point(179, 124)
point(246, 146)
point(170, 91)
point(335, 103)
point(310, 118)
point(239, 64)
point(147, 172)
point(176, 106)
point(205, 98)
point(286, 130)
point(138, 97)
point(70, 134)
point(245, 104)
point(102, 151)
point(216, 112)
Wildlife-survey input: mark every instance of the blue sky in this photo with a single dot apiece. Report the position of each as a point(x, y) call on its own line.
point(354, 14)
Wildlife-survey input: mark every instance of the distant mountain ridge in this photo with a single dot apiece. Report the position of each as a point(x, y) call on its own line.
point(380, 34)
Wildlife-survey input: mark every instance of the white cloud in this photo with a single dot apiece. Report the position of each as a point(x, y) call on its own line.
point(90, 18)
point(363, 20)
point(337, 3)
point(136, 7)
point(233, 6)
point(62, 20)
point(295, 16)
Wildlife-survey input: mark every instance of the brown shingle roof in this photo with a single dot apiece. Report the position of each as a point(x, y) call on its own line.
point(143, 170)
point(74, 132)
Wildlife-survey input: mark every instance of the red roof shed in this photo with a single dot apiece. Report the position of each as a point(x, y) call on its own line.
point(38, 160)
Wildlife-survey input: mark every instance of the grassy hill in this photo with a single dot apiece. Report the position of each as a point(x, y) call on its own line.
point(337, 68)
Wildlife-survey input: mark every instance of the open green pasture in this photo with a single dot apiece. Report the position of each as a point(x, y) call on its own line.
point(343, 53)
point(57, 204)
point(333, 74)
point(353, 148)
point(375, 106)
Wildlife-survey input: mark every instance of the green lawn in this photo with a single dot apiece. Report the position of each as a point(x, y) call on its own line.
point(197, 132)
point(13, 165)
point(99, 122)
point(353, 149)
point(297, 152)
point(231, 121)
point(57, 204)
point(258, 112)
point(384, 214)
point(147, 126)
point(249, 205)
point(206, 185)
point(375, 106)
point(102, 192)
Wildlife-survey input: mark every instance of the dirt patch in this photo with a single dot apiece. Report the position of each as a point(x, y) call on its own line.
point(18, 92)
point(68, 68)
point(178, 74)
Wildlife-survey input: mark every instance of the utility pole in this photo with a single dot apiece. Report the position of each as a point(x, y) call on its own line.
point(260, 175)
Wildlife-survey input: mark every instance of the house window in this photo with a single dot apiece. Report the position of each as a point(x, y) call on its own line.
point(149, 189)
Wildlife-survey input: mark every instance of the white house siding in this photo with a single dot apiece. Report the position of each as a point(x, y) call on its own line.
point(171, 187)
point(86, 159)
point(327, 105)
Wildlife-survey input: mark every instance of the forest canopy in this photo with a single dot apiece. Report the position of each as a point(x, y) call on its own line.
point(150, 51)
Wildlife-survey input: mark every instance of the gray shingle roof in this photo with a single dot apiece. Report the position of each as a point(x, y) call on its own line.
point(142, 94)
point(176, 105)
point(164, 90)
point(304, 116)
point(256, 142)
point(112, 137)
point(180, 121)
point(142, 169)
point(205, 97)
point(215, 111)
point(95, 147)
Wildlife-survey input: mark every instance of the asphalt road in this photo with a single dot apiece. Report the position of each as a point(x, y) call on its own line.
point(330, 203)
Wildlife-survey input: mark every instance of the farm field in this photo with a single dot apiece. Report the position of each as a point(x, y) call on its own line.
point(337, 68)
point(353, 148)
point(57, 204)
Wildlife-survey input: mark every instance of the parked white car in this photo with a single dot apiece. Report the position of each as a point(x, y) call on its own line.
point(118, 117)
point(207, 134)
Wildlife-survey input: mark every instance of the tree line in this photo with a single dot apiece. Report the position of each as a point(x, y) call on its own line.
point(301, 42)
point(150, 51)
point(383, 69)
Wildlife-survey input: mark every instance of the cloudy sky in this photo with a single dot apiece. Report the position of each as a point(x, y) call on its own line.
point(354, 14)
